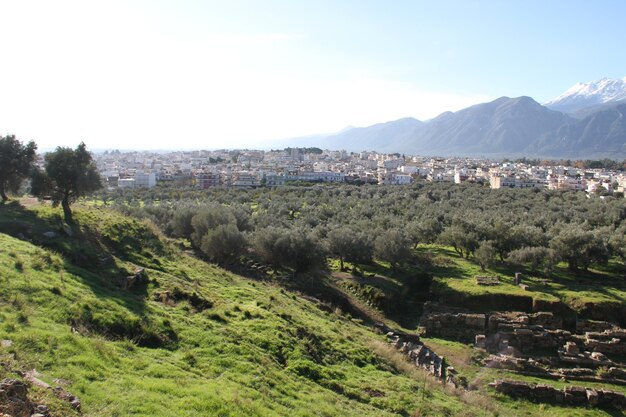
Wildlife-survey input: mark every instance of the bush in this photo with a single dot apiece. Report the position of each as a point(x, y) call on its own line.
point(224, 244)
point(289, 248)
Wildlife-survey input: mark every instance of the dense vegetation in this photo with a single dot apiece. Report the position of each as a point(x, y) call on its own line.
point(294, 227)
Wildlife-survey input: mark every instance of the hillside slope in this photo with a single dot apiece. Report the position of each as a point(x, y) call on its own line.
point(182, 337)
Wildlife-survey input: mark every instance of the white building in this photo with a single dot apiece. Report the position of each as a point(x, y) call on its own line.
point(126, 183)
point(145, 180)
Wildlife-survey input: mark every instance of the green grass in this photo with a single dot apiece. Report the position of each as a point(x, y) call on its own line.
point(258, 350)
point(600, 287)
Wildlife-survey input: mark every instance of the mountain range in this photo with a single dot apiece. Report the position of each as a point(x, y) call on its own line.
point(587, 121)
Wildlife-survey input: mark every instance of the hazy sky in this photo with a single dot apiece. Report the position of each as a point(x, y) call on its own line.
point(234, 73)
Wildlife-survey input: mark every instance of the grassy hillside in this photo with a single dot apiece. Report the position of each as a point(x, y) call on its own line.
point(186, 338)
point(193, 340)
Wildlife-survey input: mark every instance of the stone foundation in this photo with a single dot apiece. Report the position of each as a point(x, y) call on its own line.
point(568, 396)
point(592, 352)
point(611, 341)
point(457, 326)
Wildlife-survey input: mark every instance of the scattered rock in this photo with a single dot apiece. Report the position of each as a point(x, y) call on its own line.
point(137, 279)
point(32, 378)
point(13, 398)
point(66, 396)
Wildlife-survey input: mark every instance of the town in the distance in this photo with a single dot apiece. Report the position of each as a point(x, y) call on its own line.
point(257, 168)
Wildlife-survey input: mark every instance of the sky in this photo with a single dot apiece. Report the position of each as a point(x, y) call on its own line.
point(155, 74)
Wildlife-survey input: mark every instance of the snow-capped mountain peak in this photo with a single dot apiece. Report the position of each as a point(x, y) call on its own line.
point(583, 95)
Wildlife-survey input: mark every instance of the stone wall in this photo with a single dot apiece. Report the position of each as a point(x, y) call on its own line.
point(568, 396)
point(526, 330)
point(457, 326)
point(423, 357)
point(611, 341)
point(535, 344)
point(583, 326)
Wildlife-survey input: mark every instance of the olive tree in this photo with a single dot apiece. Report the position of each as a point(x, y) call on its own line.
point(392, 246)
point(484, 254)
point(224, 244)
point(16, 161)
point(69, 174)
point(349, 245)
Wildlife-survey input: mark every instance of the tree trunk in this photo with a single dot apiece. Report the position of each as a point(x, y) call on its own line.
point(572, 263)
point(3, 194)
point(341, 263)
point(67, 212)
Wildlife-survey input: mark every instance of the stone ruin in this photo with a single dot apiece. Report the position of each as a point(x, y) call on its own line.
point(546, 368)
point(456, 326)
point(536, 344)
point(423, 357)
point(451, 323)
point(487, 281)
point(567, 396)
point(497, 332)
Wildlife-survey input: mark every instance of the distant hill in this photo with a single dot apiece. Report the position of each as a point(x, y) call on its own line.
point(503, 127)
point(382, 137)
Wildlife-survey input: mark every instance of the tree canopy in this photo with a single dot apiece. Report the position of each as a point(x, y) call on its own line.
point(69, 174)
point(16, 161)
